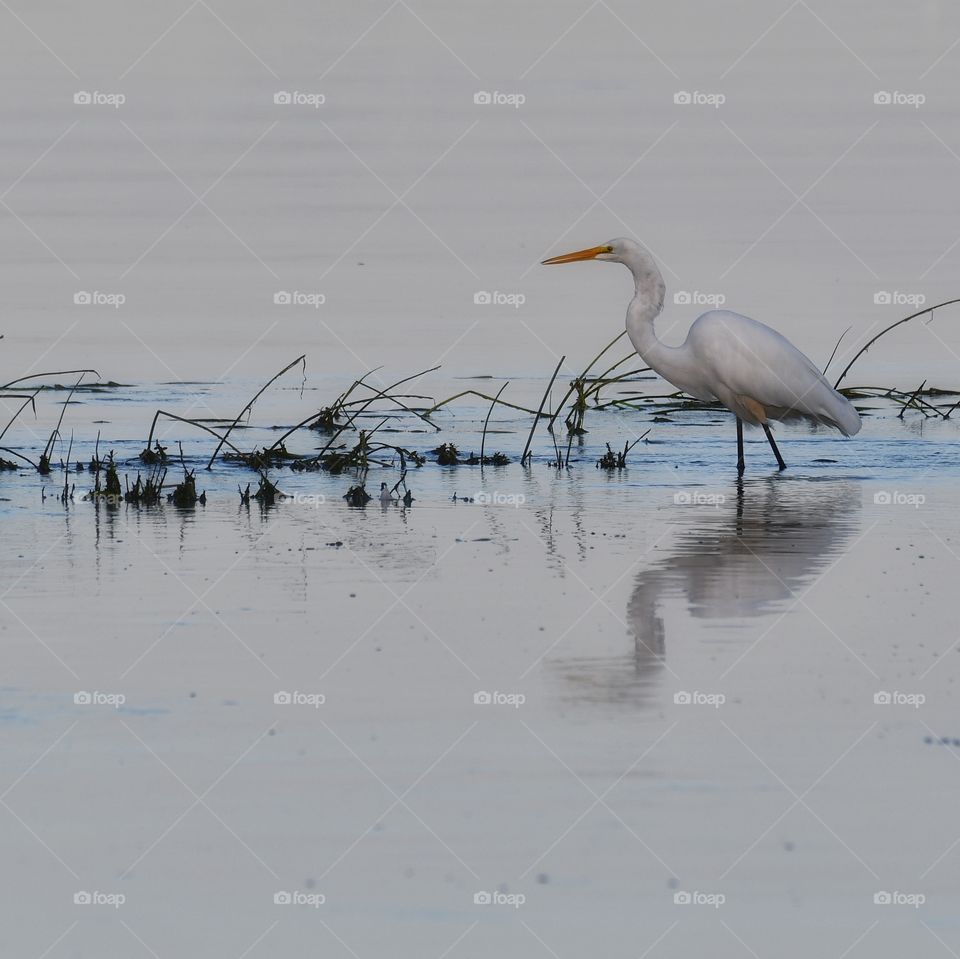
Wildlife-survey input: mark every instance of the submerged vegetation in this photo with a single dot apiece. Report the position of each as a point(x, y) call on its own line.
point(146, 492)
point(354, 426)
point(618, 460)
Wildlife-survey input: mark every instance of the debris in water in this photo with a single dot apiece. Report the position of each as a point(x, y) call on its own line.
point(357, 496)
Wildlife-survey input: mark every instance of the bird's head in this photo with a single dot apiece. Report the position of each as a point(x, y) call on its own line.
point(621, 250)
point(614, 251)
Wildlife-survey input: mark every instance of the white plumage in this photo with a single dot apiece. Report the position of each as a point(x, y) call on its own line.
point(750, 368)
point(744, 358)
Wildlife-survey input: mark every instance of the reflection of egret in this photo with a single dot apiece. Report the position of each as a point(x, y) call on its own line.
point(744, 561)
point(738, 560)
point(751, 369)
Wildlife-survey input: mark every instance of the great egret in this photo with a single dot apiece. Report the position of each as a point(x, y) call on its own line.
point(751, 369)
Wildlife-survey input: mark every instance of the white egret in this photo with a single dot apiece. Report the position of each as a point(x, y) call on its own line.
point(750, 368)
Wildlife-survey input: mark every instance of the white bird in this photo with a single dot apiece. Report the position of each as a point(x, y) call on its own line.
point(750, 368)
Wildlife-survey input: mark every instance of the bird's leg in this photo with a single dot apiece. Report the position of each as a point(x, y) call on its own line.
point(740, 463)
point(773, 446)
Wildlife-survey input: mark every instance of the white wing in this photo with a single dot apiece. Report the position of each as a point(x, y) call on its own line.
point(747, 364)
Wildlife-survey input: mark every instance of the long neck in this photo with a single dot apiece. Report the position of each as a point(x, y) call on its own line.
point(669, 361)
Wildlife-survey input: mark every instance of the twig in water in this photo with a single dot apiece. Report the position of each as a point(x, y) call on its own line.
point(196, 423)
point(65, 495)
point(363, 407)
point(583, 375)
point(836, 347)
point(912, 401)
point(37, 376)
point(44, 465)
point(483, 438)
point(536, 419)
point(302, 359)
point(892, 326)
point(618, 460)
point(28, 400)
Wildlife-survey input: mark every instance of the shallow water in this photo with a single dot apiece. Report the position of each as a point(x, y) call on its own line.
point(585, 696)
point(589, 612)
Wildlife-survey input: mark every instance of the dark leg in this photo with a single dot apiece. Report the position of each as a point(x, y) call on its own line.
point(740, 463)
point(773, 446)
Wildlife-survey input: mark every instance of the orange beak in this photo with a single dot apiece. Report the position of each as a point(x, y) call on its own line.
point(590, 254)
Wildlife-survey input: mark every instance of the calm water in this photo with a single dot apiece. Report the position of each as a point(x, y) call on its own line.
point(587, 614)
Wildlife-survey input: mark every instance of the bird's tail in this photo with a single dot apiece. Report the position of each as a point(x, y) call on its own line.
point(841, 413)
